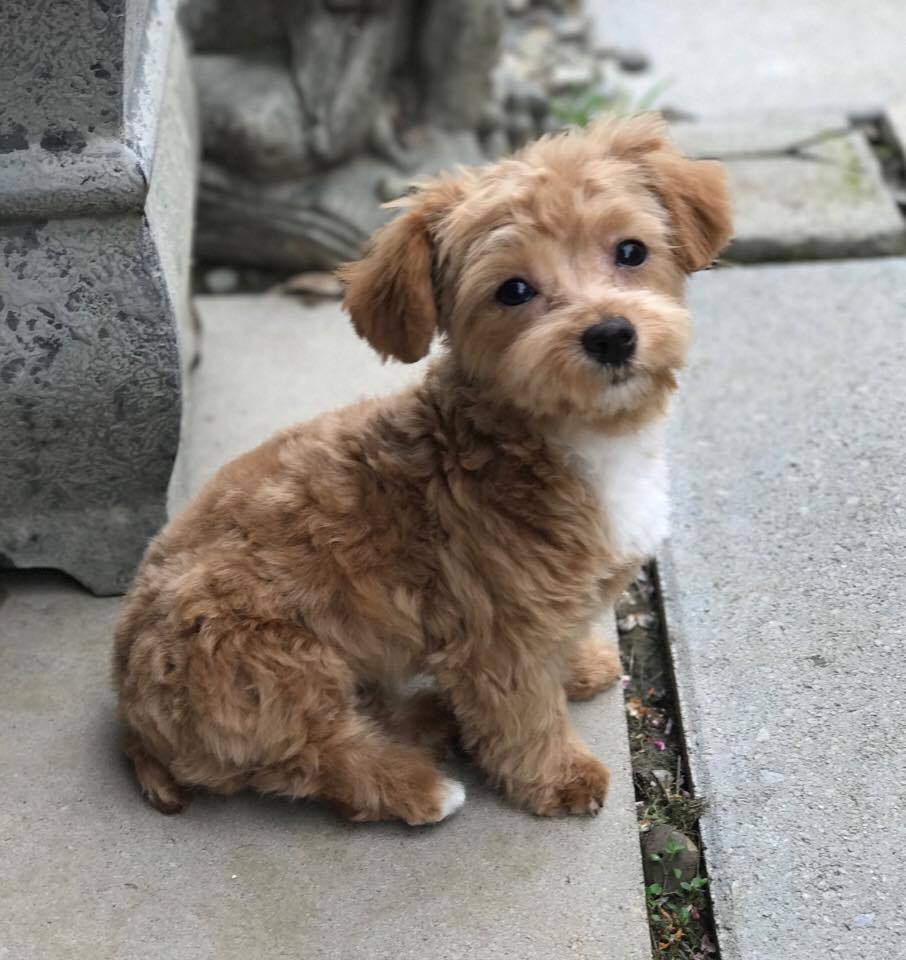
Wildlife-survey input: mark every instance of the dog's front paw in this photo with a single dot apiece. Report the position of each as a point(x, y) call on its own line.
point(579, 791)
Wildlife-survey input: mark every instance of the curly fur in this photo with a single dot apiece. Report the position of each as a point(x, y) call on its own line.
point(458, 529)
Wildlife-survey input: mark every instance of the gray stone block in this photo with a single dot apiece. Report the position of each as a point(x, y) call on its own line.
point(803, 186)
point(785, 584)
point(97, 174)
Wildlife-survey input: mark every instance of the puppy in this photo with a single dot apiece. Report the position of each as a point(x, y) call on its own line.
point(472, 528)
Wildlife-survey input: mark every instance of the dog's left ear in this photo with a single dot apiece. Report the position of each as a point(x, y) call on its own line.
point(389, 292)
point(695, 195)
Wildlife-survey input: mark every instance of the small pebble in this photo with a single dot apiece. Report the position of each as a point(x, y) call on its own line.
point(657, 841)
point(566, 77)
point(221, 280)
point(632, 61)
point(392, 187)
point(315, 283)
point(573, 28)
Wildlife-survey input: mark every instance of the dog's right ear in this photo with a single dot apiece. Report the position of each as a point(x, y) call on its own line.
point(389, 292)
point(693, 192)
point(696, 197)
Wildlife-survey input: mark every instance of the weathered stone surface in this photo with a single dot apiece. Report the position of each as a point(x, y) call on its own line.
point(234, 24)
point(743, 57)
point(90, 400)
point(803, 186)
point(785, 583)
point(95, 222)
point(318, 221)
point(85, 69)
point(458, 49)
point(311, 111)
point(90, 871)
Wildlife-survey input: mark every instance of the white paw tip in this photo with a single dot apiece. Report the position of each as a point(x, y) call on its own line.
point(454, 796)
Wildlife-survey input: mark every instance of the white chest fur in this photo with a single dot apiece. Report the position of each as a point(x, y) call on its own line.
point(629, 475)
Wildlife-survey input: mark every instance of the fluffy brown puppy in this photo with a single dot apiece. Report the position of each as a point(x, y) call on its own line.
point(471, 528)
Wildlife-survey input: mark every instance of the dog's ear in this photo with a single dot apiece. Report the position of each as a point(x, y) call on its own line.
point(695, 195)
point(694, 192)
point(389, 292)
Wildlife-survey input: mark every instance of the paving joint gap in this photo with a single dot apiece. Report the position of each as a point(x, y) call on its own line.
point(677, 889)
point(794, 150)
point(886, 147)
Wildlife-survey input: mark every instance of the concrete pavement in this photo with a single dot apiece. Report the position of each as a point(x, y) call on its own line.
point(731, 58)
point(785, 582)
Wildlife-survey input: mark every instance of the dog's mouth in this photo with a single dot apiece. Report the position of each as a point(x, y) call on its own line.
point(619, 375)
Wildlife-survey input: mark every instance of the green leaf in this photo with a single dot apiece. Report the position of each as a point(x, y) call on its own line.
point(655, 889)
point(672, 847)
point(677, 872)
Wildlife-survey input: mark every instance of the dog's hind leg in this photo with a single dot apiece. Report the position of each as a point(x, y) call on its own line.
point(421, 716)
point(366, 774)
point(156, 781)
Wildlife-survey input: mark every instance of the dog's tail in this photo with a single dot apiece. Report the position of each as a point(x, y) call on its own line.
point(156, 781)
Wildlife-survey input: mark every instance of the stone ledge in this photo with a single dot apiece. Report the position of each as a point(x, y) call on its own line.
point(101, 177)
point(803, 186)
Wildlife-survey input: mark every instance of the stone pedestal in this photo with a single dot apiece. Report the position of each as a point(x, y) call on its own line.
point(97, 175)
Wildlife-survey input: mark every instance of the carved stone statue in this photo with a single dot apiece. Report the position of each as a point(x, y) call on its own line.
point(315, 111)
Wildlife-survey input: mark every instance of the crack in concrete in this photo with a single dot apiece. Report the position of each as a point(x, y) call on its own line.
point(796, 150)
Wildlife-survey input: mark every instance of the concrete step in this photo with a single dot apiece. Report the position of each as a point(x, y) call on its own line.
point(785, 584)
point(804, 186)
point(90, 871)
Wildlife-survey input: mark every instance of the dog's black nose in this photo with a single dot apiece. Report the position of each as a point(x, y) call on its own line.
point(611, 341)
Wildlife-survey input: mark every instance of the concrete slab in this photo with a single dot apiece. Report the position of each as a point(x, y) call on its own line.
point(738, 57)
point(785, 584)
point(266, 362)
point(826, 200)
point(89, 871)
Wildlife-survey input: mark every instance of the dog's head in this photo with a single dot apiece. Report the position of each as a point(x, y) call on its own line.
point(555, 275)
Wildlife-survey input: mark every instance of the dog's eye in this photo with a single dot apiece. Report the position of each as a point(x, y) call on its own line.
point(630, 253)
point(513, 292)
